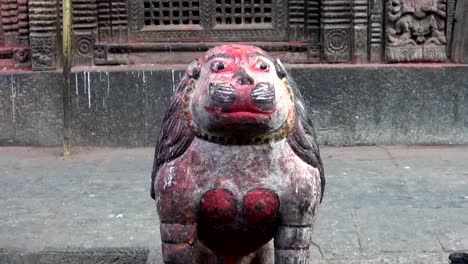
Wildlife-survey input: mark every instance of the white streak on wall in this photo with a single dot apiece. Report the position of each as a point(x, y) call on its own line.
point(173, 81)
point(108, 83)
point(13, 96)
point(144, 77)
point(84, 83)
point(89, 91)
point(76, 83)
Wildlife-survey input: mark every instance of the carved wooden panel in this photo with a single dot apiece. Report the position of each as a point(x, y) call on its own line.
point(208, 20)
point(23, 22)
point(43, 26)
point(304, 24)
point(244, 12)
point(297, 19)
point(416, 30)
point(171, 13)
point(110, 32)
point(119, 18)
point(312, 33)
point(84, 14)
point(14, 34)
point(9, 17)
point(460, 36)
point(360, 32)
point(376, 42)
point(336, 30)
point(2, 39)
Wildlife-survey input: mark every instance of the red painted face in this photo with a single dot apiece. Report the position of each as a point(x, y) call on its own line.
point(239, 91)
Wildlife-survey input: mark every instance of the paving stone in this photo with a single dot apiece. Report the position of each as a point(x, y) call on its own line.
point(335, 231)
point(116, 232)
point(382, 205)
point(115, 256)
point(131, 200)
point(396, 258)
point(397, 229)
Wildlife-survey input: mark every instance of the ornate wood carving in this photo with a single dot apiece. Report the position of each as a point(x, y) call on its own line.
point(9, 17)
point(460, 33)
point(144, 25)
point(113, 21)
point(304, 25)
point(23, 23)
point(376, 31)
point(116, 31)
point(2, 39)
point(313, 28)
point(416, 30)
point(43, 26)
point(336, 21)
point(119, 20)
point(84, 30)
point(14, 33)
point(104, 21)
point(449, 27)
point(297, 19)
point(360, 33)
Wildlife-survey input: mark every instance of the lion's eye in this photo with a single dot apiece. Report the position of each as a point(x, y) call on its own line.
point(263, 66)
point(218, 66)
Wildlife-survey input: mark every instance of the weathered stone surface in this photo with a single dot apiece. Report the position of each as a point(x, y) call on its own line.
point(103, 212)
point(350, 105)
point(121, 108)
point(71, 256)
point(387, 105)
point(30, 109)
point(395, 258)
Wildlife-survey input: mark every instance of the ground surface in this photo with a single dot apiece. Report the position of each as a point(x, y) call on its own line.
point(382, 205)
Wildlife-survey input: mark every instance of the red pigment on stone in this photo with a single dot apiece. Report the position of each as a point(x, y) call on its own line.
point(219, 206)
point(260, 206)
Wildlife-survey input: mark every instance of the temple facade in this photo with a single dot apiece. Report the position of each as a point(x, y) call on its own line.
point(127, 32)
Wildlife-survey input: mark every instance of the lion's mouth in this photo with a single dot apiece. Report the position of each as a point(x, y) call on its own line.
point(245, 101)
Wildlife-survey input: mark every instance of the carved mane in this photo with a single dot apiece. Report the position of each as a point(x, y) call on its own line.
point(175, 135)
point(302, 138)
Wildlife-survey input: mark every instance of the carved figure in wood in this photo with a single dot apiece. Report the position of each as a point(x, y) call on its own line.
point(416, 30)
point(237, 175)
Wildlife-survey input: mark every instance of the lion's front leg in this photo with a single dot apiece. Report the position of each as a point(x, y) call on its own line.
point(299, 206)
point(292, 244)
point(177, 212)
point(178, 242)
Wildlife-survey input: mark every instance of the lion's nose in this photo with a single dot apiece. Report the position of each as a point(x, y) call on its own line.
point(243, 78)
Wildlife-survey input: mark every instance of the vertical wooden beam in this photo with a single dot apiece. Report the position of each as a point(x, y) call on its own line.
point(360, 31)
point(460, 33)
point(67, 63)
point(376, 31)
